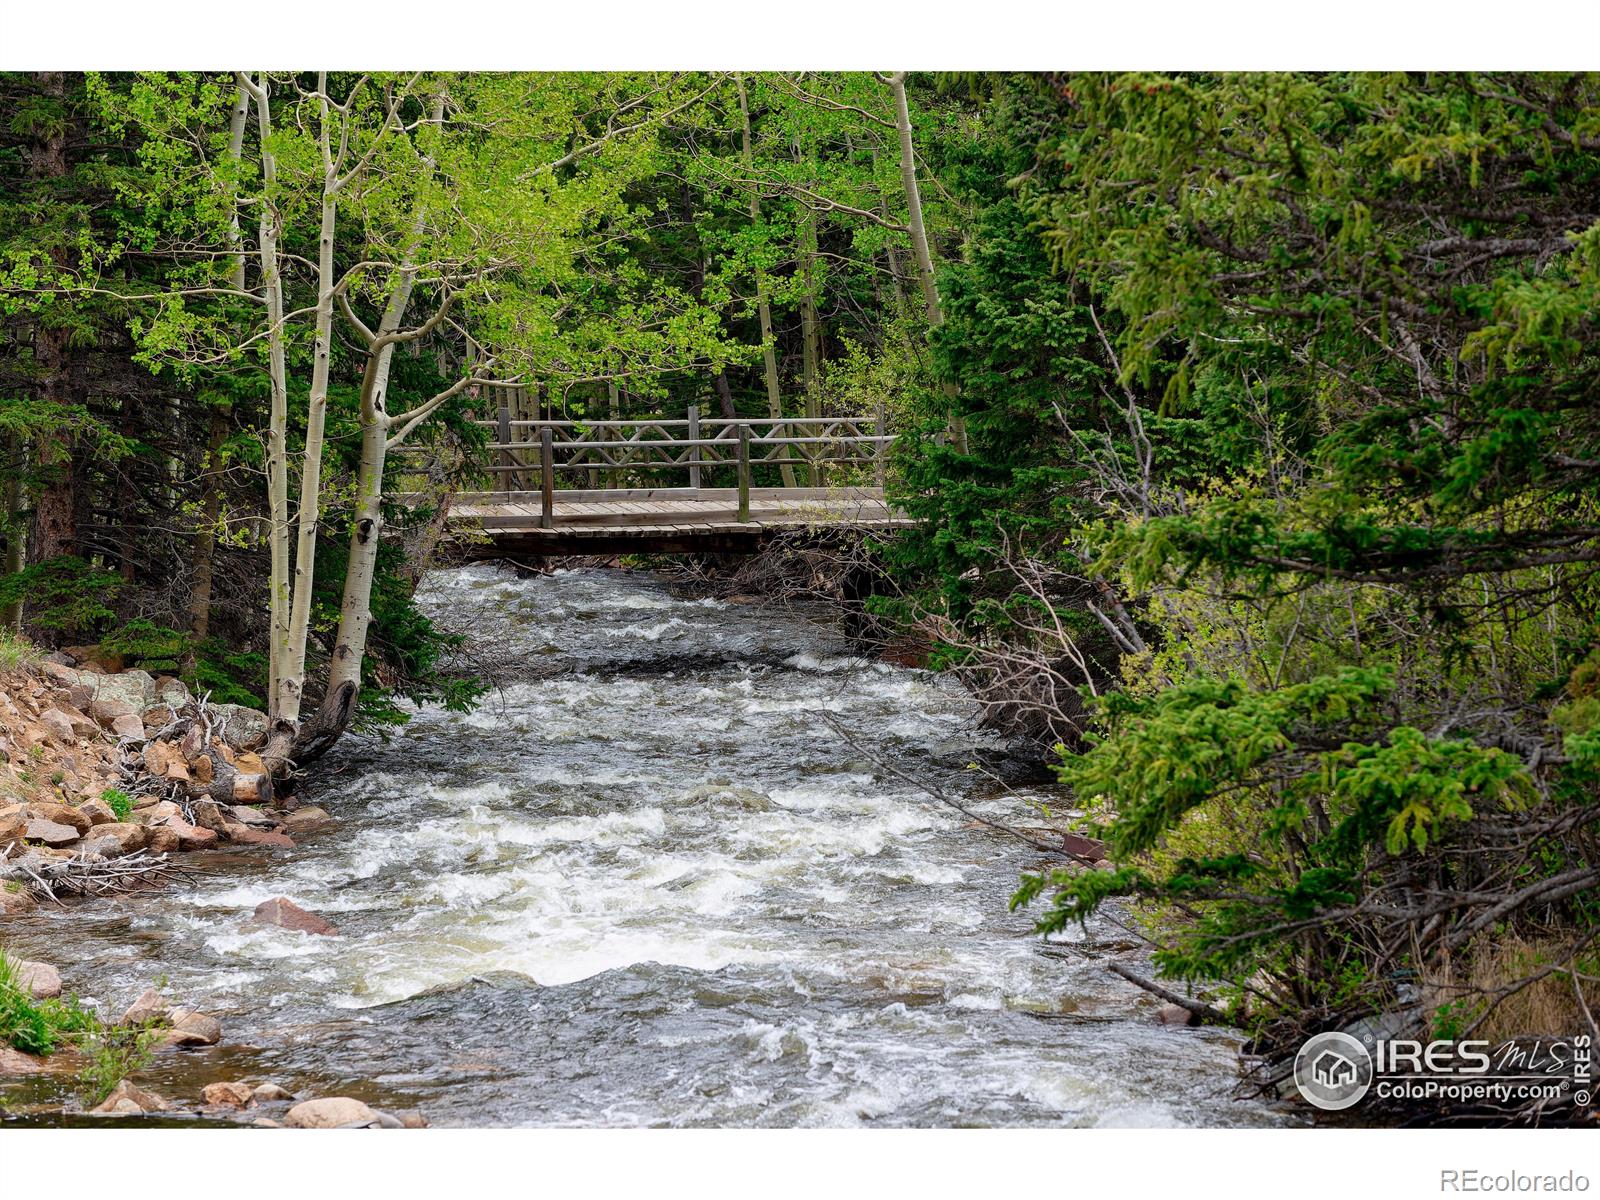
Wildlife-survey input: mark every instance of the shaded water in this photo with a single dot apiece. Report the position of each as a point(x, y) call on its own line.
point(648, 886)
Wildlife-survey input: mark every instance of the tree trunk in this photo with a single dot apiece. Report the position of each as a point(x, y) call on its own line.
point(55, 528)
point(810, 338)
point(769, 353)
point(919, 240)
point(205, 541)
point(11, 615)
point(278, 412)
point(291, 681)
point(724, 396)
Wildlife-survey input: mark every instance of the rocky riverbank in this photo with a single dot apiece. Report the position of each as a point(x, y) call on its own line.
point(109, 780)
point(108, 775)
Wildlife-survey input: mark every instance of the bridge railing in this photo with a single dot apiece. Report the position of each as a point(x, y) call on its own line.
point(535, 455)
point(684, 447)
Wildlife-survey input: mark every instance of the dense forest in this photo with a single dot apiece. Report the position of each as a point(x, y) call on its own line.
point(1249, 421)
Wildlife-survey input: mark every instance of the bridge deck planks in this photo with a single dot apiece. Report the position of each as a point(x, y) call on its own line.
point(585, 521)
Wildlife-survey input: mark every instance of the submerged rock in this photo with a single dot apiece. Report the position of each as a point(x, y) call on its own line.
point(329, 1112)
point(307, 820)
point(285, 913)
point(243, 835)
point(228, 1095)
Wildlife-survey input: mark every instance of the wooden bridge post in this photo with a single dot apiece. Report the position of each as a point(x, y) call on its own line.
point(880, 450)
point(694, 450)
point(744, 474)
point(503, 436)
point(547, 478)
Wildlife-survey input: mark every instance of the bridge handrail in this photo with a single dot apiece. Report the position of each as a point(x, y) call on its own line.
point(812, 443)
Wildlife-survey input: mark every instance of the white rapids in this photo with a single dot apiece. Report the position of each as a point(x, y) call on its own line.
point(648, 886)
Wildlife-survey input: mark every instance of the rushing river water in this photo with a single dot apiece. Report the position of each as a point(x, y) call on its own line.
point(648, 886)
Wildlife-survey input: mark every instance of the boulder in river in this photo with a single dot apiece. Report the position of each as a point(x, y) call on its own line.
point(1176, 1014)
point(40, 980)
point(129, 1100)
point(306, 820)
point(270, 1093)
point(329, 1112)
point(228, 1095)
point(245, 836)
point(190, 1028)
point(148, 1007)
point(15, 902)
point(283, 912)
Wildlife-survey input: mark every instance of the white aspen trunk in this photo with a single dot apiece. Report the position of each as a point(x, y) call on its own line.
point(278, 412)
point(291, 678)
point(919, 238)
point(769, 353)
point(810, 337)
point(355, 607)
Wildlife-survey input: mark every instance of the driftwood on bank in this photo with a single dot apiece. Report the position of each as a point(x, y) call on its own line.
point(86, 875)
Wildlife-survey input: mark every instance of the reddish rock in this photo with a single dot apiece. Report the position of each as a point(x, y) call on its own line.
point(192, 837)
point(118, 839)
point(39, 980)
point(15, 903)
point(1176, 1014)
point(105, 711)
point(245, 836)
point(98, 812)
point(62, 814)
point(165, 840)
point(227, 1095)
point(13, 823)
point(286, 913)
point(128, 726)
point(307, 820)
point(1090, 848)
point(129, 1100)
point(148, 1007)
point(59, 725)
point(15, 1062)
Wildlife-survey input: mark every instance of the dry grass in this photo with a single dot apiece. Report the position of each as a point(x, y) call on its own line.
point(1509, 986)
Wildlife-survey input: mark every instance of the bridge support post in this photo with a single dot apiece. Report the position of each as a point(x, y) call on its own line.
point(880, 450)
point(744, 474)
point(547, 478)
point(502, 434)
point(694, 449)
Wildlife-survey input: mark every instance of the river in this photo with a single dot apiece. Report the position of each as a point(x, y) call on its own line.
point(644, 884)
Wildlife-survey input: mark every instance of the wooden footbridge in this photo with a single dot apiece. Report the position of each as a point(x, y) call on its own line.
point(674, 485)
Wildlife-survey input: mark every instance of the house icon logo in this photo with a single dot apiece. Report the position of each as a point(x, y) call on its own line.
point(1333, 1071)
